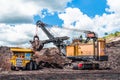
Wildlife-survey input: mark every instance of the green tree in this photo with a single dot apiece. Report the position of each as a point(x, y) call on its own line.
point(105, 33)
point(116, 33)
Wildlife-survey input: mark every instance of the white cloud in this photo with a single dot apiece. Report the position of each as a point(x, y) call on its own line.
point(18, 35)
point(113, 5)
point(22, 11)
point(100, 24)
point(74, 15)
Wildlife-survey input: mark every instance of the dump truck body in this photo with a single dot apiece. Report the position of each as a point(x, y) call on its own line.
point(20, 57)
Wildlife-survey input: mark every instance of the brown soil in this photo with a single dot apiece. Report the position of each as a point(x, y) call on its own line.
point(5, 55)
point(56, 74)
point(50, 58)
point(112, 50)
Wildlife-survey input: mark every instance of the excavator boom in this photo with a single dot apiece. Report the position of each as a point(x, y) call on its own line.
point(42, 25)
point(58, 41)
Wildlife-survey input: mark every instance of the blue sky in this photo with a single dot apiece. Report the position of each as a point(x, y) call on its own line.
point(88, 7)
point(18, 18)
point(49, 19)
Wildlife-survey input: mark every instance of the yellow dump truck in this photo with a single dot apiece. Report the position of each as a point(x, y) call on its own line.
point(22, 59)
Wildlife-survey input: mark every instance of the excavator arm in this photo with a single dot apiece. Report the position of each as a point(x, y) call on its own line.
point(38, 44)
point(41, 25)
point(57, 41)
point(89, 34)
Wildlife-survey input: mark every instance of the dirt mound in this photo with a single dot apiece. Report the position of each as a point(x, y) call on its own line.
point(5, 55)
point(113, 52)
point(50, 57)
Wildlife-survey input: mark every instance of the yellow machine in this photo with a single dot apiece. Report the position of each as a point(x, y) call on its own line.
point(83, 51)
point(20, 57)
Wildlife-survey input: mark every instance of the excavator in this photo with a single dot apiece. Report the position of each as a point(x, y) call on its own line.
point(75, 52)
point(57, 41)
point(80, 54)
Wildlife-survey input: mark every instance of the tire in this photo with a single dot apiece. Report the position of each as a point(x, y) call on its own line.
point(13, 68)
point(24, 68)
point(32, 66)
point(35, 67)
point(29, 66)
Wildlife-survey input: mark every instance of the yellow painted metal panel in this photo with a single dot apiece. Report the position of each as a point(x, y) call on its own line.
point(70, 51)
point(21, 50)
point(101, 47)
point(85, 50)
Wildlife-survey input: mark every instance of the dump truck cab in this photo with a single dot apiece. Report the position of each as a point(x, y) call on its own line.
point(20, 57)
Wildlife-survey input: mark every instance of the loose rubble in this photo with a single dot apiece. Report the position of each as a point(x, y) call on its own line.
point(113, 52)
point(5, 55)
point(51, 58)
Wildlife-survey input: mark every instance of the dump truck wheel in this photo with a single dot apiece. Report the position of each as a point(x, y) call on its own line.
point(35, 67)
point(13, 68)
point(32, 65)
point(29, 66)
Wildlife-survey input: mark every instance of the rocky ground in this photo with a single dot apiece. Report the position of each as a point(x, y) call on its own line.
point(56, 74)
point(112, 50)
point(5, 55)
point(50, 58)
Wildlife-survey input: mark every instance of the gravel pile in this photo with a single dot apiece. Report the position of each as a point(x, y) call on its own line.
point(51, 58)
point(113, 52)
point(5, 55)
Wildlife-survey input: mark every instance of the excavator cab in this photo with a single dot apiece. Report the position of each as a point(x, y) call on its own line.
point(91, 35)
